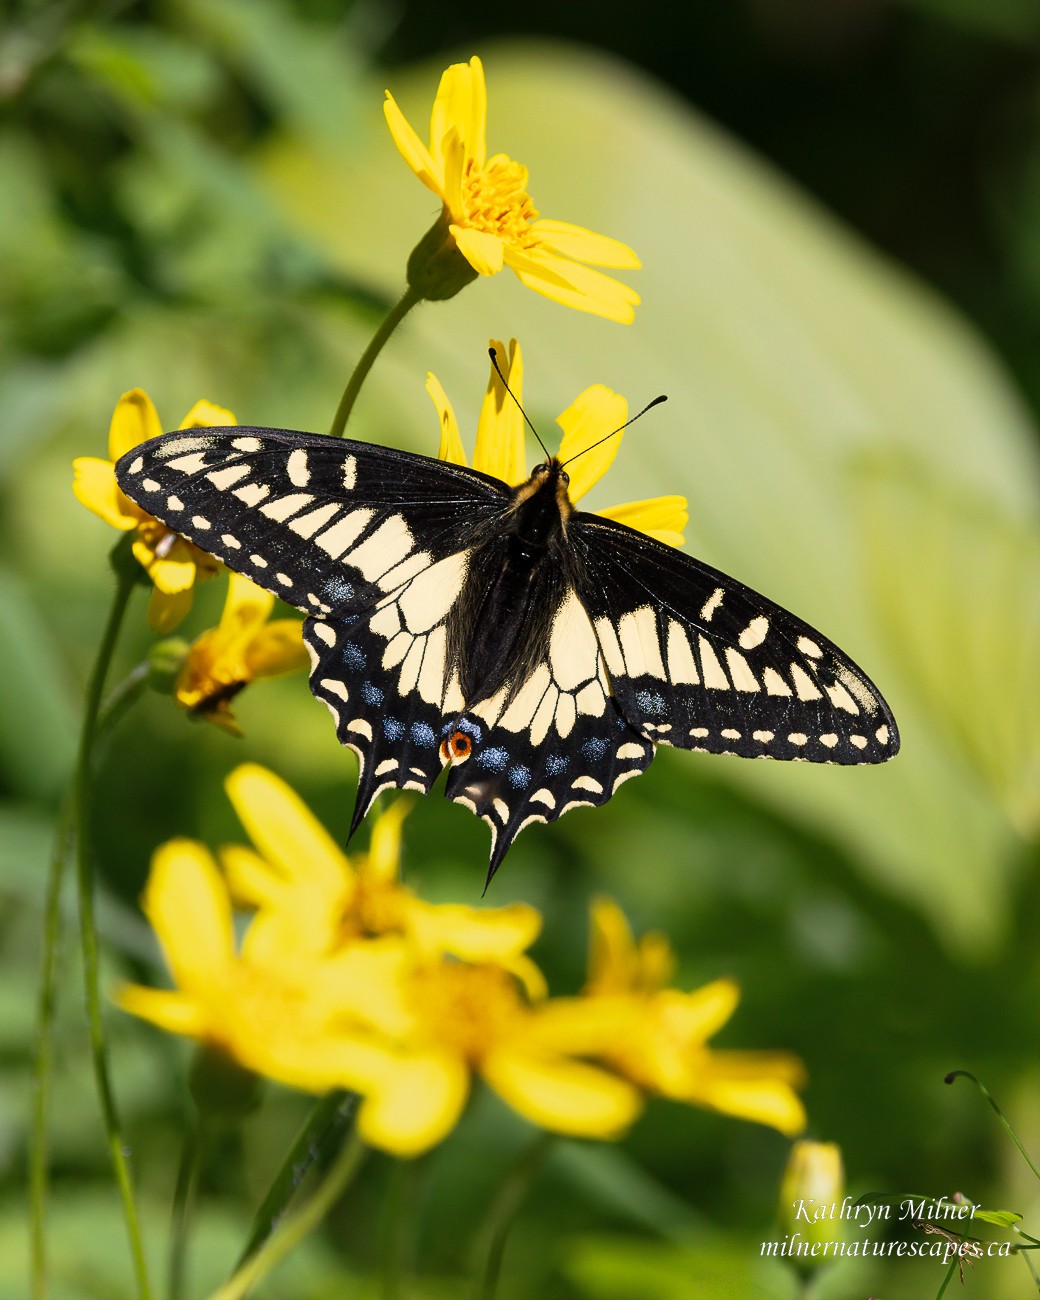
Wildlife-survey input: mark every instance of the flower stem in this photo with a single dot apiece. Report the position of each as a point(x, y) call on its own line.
point(184, 1206)
point(294, 1229)
point(43, 1063)
point(397, 1234)
point(503, 1212)
point(967, 1074)
point(322, 1124)
point(390, 322)
point(80, 817)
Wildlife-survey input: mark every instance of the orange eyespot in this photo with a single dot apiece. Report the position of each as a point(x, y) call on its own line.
point(456, 748)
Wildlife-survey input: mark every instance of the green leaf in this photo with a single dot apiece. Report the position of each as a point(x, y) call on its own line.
point(1002, 1218)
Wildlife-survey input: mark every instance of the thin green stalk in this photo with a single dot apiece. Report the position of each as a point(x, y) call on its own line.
point(390, 322)
point(183, 1208)
point(503, 1212)
point(293, 1230)
point(321, 1125)
point(397, 1235)
point(43, 1064)
point(81, 791)
point(967, 1074)
point(119, 701)
point(946, 1281)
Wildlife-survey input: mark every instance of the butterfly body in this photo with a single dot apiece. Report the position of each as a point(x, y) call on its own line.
point(538, 652)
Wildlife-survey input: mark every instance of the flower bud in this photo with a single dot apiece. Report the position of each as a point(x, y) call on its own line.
point(813, 1205)
point(436, 268)
point(165, 661)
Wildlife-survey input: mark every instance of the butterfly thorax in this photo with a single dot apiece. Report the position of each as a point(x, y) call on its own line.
point(514, 585)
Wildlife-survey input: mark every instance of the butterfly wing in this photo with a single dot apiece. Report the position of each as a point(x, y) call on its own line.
point(372, 543)
point(699, 661)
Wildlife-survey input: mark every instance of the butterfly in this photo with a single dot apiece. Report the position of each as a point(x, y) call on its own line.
point(537, 652)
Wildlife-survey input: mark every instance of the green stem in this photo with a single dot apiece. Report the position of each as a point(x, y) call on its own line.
point(946, 1281)
point(395, 1252)
point(184, 1206)
point(503, 1212)
point(293, 1230)
point(43, 1064)
point(81, 790)
point(967, 1074)
point(118, 701)
point(322, 1124)
point(390, 322)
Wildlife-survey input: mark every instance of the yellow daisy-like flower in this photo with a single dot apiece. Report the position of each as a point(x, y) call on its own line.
point(488, 216)
point(300, 878)
point(500, 447)
point(280, 1009)
point(241, 648)
point(663, 1047)
point(172, 563)
point(454, 1019)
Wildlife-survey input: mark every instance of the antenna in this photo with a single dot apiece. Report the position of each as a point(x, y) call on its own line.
point(493, 354)
point(656, 402)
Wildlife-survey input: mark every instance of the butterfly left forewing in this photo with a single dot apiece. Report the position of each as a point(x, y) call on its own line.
point(699, 661)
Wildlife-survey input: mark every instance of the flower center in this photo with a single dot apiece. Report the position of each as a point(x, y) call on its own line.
point(467, 1009)
point(495, 199)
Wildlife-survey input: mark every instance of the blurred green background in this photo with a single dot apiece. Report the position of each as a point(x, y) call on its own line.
point(838, 210)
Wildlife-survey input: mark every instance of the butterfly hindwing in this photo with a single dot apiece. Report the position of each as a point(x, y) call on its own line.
point(699, 661)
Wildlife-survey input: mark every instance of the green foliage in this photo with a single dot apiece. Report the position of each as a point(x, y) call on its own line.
point(201, 199)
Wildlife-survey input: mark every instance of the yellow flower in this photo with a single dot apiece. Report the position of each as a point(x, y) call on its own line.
point(664, 1047)
point(488, 215)
point(813, 1180)
point(454, 1019)
point(173, 564)
point(595, 413)
point(281, 1010)
point(243, 646)
point(308, 887)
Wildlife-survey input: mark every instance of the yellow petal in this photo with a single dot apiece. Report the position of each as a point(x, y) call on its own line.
point(583, 245)
point(285, 831)
point(612, 952)
point(752, 1086)
point(454, 168)
point(170, 576)
point(591, 417)
point(245, 604)
point(173, 1012)
point(661, 517)
point(414, 1104)
point(573, 285)
point(251, 880)
point(95, 487)
point(134, 421)
point(583, 1026)
point(484, 251)
point(563, 1096)
point(451, 449)
point(472, 933)
point(277, 648)
point(698, 1015)
point(411, 148)
point(298, 930)
point(499, 448)
point(204, 414)
point(461, 106)
point(187, 903)
point(165, 612)
point(369, 981)
point(383, 861)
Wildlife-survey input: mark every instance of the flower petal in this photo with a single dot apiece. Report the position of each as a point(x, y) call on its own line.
point(171, 576)
point(696, 1016)
point(246, 604)
point(563, 1096)
point(277, 648)
point(485, 252)
point(612, 951)
point(204, 414)
point(95, 487)
point(251, 880)
point(186, 900)
point(173, 1012)
point(134, 421)
point(475, 934)
point(383, 861)
point(285, 830)
point(165, 611)
point(591, 417)
point(583, 245)
point(461, 106)
point(573, 285)
point(660, 517)
point(499, 448)
point(754, 1086)
point(451, 449)
point(414, 1103)
point(412, 149)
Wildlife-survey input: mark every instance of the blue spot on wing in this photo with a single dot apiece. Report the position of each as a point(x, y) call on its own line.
point(422, 734)
point(371, 694)
point(557, 763)
point(594, 749)
point(519, 776)
point(495, 758)
point(392, 729)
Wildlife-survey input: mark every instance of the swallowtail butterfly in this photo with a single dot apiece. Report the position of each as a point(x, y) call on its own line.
point(541, 654)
